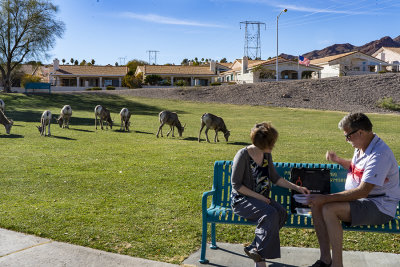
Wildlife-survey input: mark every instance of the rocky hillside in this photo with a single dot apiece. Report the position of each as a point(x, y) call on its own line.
point(351, 93)
point(368, 48)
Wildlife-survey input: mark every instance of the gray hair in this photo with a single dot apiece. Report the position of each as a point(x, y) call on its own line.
point(355, 121)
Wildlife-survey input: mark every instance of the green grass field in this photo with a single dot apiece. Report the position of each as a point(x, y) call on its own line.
point(134, 194)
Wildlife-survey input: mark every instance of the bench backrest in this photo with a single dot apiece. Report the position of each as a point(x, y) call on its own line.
point(222, 181)
point(37, 86)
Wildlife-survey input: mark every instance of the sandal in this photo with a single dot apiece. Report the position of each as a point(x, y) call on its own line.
point(320, 263)
point(253, 254)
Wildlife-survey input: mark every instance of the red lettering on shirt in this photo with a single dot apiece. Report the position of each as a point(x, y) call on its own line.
point(356, 173)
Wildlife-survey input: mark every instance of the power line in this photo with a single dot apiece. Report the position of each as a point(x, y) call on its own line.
point(252, 42)
point(152, 56)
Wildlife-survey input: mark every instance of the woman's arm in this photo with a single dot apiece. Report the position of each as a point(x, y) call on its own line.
point(248, 192)
point(282, 182)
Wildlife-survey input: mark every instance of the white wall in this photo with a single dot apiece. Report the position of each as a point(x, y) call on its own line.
point(330, 71)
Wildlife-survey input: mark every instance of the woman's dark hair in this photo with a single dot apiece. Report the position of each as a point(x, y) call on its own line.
point(263, 135)
point(355, 121)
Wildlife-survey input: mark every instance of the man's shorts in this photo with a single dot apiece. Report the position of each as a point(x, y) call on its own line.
point(364, 212)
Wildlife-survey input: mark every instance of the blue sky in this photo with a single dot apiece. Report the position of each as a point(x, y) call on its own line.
point(110, 31)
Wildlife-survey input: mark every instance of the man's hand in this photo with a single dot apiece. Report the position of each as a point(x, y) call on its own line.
point(331, 156)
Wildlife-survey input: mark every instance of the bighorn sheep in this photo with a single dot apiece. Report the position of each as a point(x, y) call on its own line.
point(6, 122)
point(125, 116)
point(104, 115)
point(2, 105)
point(65, 115)
point(214, 123)
point(170, 118)
point(45, 120)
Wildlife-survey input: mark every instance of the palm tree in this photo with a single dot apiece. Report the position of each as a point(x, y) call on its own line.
point(72, 60)
point(63, 61)
point(92, 61)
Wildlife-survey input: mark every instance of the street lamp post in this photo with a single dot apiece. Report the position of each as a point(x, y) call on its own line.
point(277, 19)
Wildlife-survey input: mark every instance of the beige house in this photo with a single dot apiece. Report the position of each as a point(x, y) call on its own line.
point(351, 63)
point(252, 71)
point(191, 75)
point(86, 76)
point(390, 55)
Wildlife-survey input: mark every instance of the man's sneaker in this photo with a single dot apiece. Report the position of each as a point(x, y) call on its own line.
point(253, 254)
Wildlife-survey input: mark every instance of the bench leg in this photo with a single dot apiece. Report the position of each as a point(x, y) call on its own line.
point(213, 241)
point(203, 243)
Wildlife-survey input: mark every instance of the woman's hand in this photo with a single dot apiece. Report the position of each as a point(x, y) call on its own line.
point(302, 190)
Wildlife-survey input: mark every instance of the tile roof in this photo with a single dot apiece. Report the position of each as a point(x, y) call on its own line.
point(394, 49)
point(330, 58)
point(176, 70)
point(91, 70)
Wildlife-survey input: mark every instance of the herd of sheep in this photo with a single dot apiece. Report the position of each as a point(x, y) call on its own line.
point(102, 114)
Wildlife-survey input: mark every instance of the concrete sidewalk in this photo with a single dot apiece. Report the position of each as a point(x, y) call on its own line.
point(21, 250)
point(232, 255)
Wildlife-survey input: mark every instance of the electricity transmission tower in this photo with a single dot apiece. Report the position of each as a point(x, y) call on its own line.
point(152, 56)
point(252, 42)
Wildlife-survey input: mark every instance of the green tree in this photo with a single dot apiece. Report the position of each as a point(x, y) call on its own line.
point(92, 61)
point(76, 62)
point(223, 60)
point(28, 29)
point(72, 60)
point(185, 61)
point(63, 61)
point(27, 78)
point(83, 63)
point(116, 64)
point(152, 79)
point(133, 64)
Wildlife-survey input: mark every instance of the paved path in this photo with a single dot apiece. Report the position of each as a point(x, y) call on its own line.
point(21, 250)
point(232, 255)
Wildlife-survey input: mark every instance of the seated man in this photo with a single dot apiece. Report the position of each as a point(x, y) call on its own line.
point(371, 193)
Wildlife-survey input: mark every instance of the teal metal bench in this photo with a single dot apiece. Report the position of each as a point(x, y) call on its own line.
point(220, 210)
point(38, 86)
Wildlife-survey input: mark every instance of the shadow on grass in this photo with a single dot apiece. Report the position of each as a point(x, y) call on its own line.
point(81, 130)
point(191, 139)
point(63, 138)
point(239, 143)
point(143, 132)
point(78, 102)
point(12, 136)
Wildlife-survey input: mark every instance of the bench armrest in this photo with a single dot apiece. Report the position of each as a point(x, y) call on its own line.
point(204, 199)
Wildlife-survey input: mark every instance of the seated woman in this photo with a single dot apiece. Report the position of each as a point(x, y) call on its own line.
point(252, 174)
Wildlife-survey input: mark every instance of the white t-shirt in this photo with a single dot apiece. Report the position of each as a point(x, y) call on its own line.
point(377, 166)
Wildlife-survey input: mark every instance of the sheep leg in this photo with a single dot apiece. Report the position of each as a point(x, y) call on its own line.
point(201, 129)
point(95, 120)
point(49, 134)
point(160, 129)
point(206, 132)
point(216, 137)
point(122, 125)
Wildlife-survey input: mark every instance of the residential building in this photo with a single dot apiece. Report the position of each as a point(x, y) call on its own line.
point(351, 63)
point(391, 55)
point(190, 75)
point(87, 76)
point(253, 71)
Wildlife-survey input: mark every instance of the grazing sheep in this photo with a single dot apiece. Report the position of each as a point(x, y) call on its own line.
point(45, 120)
point(104, 115)
point(2, 105)
point(8, 123)
point(65, 115)
point(170, 118)
point(214, 123)
point(125, 117)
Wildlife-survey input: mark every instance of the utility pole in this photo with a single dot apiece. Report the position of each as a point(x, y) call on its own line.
point(152, 56)
point(252, 42)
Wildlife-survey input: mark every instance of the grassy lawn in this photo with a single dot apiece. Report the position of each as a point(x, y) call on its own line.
point(134, 194)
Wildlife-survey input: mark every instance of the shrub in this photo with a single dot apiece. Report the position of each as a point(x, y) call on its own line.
point(110, 87)
point(153, 79)
point(27, 78)
point(165, 82)
point(180, 83)
point(131, 81)
point(94, 89)
point(382, 71)
point(388, 103)
point(215, 83)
